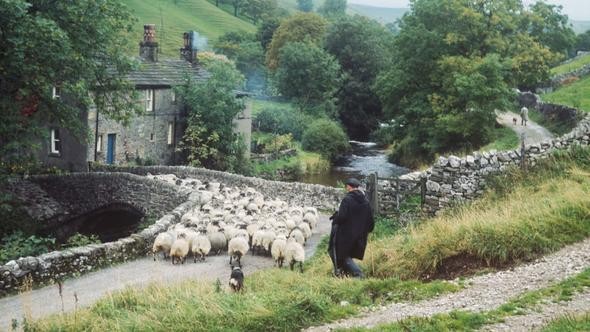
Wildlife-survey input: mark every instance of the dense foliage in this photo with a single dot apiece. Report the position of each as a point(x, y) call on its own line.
point(212, 105)
point(446, 79)
point(325, 137)
point(282, 121)
point(74, 46)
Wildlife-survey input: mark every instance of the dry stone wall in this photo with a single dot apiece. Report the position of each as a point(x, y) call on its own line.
point(294, 193)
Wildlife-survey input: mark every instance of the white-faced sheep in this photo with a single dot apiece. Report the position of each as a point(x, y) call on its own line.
point(297, 234)
point(179, 249)
point(163, 243)
point(294, 253)
point(311, 219)
point(237, 248)
point(200, 246)
point(218, 242)
point(256, 242)
point(277, 249)
point(267, 239)
point(305, 229)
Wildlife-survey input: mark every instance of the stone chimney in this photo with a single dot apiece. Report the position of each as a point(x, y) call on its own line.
point(148, 48)
point(189, 50)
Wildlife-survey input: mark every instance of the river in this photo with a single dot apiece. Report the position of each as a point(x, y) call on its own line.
point(365, 158)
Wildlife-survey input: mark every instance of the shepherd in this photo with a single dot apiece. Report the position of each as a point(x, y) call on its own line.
point(351, 226)
point(524, 116)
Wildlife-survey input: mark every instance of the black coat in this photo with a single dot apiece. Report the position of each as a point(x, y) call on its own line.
point(351, 226)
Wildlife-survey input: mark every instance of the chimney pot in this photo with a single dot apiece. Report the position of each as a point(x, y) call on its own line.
point(148, 48)
point(149, 33)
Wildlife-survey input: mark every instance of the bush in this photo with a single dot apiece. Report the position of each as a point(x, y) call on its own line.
point(79, 240)
point(282, 121)
point(325, 137)
point(18, 245)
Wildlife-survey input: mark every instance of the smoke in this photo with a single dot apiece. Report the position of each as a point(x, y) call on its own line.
point(198, 42)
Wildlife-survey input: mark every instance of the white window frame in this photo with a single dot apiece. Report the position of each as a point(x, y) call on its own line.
point(99, 143)
point(149, 100)
point(52, 143)
point(55, 93)
point(170, 133)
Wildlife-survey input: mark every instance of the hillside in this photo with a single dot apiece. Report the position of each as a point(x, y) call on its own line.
point(580, 26)
point(380, 14)
point(172, 18)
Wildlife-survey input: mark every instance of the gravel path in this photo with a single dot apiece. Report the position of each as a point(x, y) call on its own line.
point(139, 273)
point(533, 132)
point(536, 319)
point(484, 292)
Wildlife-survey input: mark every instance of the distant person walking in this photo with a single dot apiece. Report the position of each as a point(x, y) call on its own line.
point(351, 226)
point(524, 115)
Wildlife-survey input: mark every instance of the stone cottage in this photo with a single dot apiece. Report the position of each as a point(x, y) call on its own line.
point(152, 138)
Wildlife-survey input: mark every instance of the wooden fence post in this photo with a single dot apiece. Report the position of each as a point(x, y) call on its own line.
point(522, 153)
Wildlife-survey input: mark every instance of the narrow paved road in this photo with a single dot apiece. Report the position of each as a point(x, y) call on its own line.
point(534, 133)
point(139, 273)
point(484, 292)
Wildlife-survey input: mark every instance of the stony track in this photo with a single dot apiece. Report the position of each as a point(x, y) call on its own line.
point(484, 292)
point(533, 132)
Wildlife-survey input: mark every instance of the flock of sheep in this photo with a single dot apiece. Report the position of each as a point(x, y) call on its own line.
point(237, 221)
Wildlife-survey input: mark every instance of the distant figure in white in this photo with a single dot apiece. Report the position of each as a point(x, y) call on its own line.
point(524, 116)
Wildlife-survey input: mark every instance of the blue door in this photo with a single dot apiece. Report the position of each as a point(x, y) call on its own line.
point(111, 148)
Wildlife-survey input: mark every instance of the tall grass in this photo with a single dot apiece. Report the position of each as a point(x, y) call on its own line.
point(550, 208)
point(569, 323)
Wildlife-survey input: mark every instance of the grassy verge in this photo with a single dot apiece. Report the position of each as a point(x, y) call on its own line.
point(471, 321)
point(504, 139)
point(569, 323)
point(571, 66)
point(259, 104)
point(275, 299)
point(576, 95)
point(525, 216)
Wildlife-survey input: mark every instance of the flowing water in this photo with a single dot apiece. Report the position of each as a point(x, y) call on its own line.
point(366, 158)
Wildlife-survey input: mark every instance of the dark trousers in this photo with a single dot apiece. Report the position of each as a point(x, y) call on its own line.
point(343, 266)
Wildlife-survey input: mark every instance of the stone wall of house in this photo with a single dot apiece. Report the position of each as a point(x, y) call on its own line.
point(53, 201)
point(145, 139)
point(297, 193)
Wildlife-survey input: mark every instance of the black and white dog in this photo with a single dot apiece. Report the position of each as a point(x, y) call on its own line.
point(236, 279)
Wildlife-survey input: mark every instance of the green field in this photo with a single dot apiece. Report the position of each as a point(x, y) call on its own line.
point(571, 66)
point(260, 104)
point(576, 95)
point(172, 18)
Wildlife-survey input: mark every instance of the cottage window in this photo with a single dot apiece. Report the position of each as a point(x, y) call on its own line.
point(55, 92)
point(149, 100)
point(99, 143)
point(173, 96)
point(170, 133)
point(55, 143)
point(152, 137)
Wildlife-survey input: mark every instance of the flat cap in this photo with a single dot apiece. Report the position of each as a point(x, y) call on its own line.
point(353, 182)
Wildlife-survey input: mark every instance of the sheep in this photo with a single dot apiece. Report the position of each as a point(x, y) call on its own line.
point(236, 279)
point(297, 234)
point(294, 253)
point(257, 241)
point(305, 229)
point(218, 241)
point(241, 233)
point(267, 239)
point(237, 247)
point(277, 249)
point(311, 219)
point(163, 243)
point(201, 245)
point(179, 249)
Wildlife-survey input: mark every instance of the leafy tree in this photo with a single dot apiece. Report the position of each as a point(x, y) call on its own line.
point(266, 30)
point(325, 137)
point(78, 47)
point(583, 41)
point(258, 10)
point(300, 27)
point(212, 105)
point(247, 54)
point(333, 8)
point(447, 79)
point(362, 47)
point(307, 74)
point(550, 27)
point(305, 5)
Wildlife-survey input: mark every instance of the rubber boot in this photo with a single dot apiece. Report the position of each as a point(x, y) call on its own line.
point(353, 269)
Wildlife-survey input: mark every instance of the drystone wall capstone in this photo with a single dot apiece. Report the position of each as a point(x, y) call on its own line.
point(294, 193)
point(61, 192)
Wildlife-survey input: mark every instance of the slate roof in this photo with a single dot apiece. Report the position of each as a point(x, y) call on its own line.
point(166, 72)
